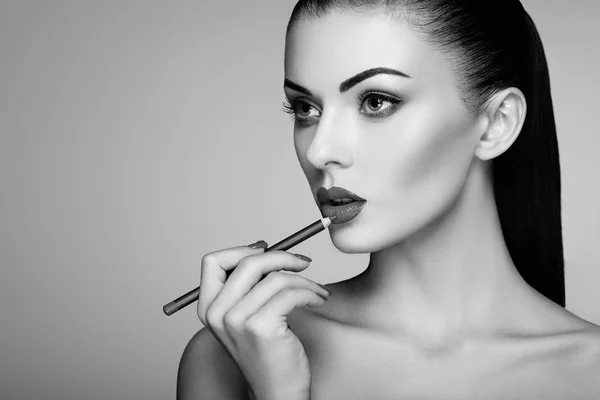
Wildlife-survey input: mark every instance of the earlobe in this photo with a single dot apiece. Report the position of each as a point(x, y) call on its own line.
point(506, 115)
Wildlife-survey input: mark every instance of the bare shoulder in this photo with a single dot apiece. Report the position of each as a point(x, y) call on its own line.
point(206, 371)
point(590, 337)
point(570, 360)
point(584, 362)
point(583, 337)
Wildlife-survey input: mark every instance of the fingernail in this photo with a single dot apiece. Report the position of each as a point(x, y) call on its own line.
point(260, 243)
point(303, 257)
point(323, 297)
point(326, 288)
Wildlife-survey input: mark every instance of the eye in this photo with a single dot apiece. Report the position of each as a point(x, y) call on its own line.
point(302, 111)
point(305, 110)
point(376, 104)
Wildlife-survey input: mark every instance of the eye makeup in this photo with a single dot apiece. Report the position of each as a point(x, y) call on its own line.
point(371, 104)
point(295, 108)
point(364, 100)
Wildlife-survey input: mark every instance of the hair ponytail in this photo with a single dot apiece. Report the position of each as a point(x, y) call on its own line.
point(496, 45)
point(527, 183)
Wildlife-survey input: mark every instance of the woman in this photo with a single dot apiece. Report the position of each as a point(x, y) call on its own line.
point(438, 113)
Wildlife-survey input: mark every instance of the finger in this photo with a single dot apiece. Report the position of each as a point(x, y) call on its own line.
point(271, 320)
point(263, 291)
point(249, 272)
point(213, 273)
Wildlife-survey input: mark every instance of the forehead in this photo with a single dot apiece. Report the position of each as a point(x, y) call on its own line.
point(327, 50)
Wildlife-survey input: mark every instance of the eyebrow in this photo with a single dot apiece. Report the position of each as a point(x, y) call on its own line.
point(297, 87)
point(350, 82)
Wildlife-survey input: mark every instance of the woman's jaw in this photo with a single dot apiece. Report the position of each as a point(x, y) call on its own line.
point(408, 159)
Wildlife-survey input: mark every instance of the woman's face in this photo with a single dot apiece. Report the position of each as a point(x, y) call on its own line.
point(403, 143)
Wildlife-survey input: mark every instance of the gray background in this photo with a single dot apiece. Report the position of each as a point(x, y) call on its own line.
point(138, 135)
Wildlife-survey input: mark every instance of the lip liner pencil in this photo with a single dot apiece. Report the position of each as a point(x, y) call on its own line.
point(287, 243)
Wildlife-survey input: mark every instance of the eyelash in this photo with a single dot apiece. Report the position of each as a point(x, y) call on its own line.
point(290, 109)
point(394, 101)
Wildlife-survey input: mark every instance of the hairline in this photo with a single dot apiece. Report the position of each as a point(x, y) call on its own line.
point(402, 14)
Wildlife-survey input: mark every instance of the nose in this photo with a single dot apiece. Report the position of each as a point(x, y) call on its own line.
point(331, 143)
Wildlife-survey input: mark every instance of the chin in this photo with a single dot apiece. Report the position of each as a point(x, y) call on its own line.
point(349, 247)
point(357, 236)
point(350, 238)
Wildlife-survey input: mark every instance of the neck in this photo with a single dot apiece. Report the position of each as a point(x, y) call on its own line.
point(452, 278)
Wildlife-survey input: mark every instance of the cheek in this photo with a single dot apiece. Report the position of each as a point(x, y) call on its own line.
point(428, 161)
point(301, 143)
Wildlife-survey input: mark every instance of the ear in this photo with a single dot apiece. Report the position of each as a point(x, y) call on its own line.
point(505, 113)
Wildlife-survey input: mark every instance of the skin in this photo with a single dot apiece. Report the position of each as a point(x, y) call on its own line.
point(440, 311)
point(440, 301)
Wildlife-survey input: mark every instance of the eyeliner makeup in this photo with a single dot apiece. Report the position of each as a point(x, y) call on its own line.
point(287, 243)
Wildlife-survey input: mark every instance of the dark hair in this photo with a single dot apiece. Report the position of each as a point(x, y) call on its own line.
point(494, 45)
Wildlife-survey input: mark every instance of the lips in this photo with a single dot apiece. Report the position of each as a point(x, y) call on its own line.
point(326, 196)
point(342, 211)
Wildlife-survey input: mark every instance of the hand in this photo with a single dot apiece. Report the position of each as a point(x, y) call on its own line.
point(248, 316)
